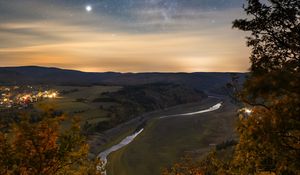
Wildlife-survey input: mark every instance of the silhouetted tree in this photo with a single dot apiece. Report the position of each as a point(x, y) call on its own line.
point(269, 136)
point(269, 133)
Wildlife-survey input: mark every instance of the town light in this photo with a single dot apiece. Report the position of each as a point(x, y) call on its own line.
point(248, 111)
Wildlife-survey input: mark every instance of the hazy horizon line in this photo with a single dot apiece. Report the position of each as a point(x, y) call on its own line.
point(132, 72)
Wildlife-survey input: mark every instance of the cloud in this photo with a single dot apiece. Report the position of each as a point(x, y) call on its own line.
point(140, 52)
point(147, 36)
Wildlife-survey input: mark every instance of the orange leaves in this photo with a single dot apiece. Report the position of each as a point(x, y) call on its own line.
point(40, 148)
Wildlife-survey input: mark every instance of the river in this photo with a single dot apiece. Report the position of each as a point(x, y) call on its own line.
point(103, 155)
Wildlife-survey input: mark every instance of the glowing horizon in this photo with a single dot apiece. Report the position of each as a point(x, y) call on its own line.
point(123, 36)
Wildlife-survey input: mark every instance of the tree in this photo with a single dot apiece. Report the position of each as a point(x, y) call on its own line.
point(269, 136)
point(42, 147)
point(269, 131)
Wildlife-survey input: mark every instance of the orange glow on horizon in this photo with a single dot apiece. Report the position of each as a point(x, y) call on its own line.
point(187, 46)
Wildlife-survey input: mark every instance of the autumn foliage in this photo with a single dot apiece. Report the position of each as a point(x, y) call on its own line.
point(269, 135)
point(42, 147)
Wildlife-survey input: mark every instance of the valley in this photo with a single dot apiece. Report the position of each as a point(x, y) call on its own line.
point(164, 141)
point(139, 128)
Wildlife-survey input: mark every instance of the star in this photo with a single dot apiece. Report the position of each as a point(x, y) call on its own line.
point(88, 8)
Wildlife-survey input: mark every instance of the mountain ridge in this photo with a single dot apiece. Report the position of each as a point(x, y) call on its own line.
point(206, 81)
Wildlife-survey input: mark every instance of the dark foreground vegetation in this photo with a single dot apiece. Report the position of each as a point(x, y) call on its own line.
point(269, 132)
point(37, 144)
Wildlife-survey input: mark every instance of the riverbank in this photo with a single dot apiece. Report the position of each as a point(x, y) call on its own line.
point(103, 155)
point(164, 141)
point(101, 141)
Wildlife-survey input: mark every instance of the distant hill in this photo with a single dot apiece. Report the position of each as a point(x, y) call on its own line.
point(46, 75)
point(54, 76)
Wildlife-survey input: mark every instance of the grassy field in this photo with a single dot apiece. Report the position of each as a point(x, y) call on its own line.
point(165, 141)
point(77, 101)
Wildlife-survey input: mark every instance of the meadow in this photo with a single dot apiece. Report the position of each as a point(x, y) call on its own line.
point(166, 141)
point(163, 142)
point(78, 101)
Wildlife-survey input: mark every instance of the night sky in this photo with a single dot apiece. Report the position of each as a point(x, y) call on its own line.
point(123, 35)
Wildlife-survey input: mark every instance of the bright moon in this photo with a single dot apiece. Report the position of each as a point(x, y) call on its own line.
point(88, 8)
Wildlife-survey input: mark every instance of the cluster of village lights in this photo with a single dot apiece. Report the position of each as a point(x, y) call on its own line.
point(10, 98)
